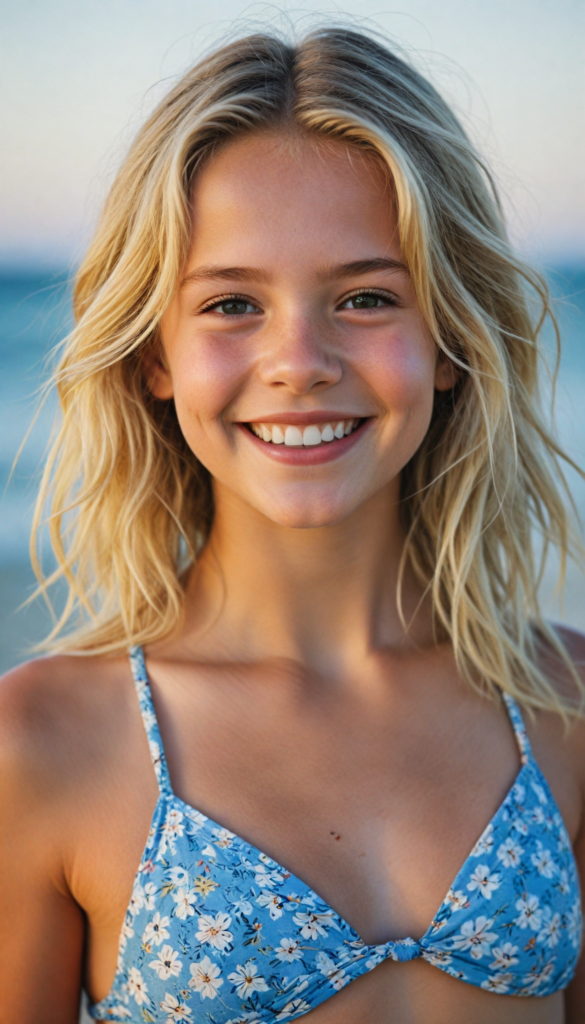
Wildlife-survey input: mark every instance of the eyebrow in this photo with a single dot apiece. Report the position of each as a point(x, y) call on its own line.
point(329, 273)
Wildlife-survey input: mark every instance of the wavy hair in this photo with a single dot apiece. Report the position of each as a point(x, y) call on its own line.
point(129, 505)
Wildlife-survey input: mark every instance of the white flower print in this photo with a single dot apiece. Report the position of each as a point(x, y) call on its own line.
point(334, 974)
point(457, 900)
point(574, 925)
point(543, 861)
point(223, 837)
point(563, 842)
point(296, 1006)
point(288, 950)
point(520, 825)
point(550, 931)
point(246, 980)
point(563, 882)
point(484, 843)
point(497, 983)
point(185, 898)
point(119, 1012)
point(537, 979)
point(196, 821)
point(504, 956)
point(171, 830)
point(155, 755)
point(475, 937)
point(127, 933)
point(484, 882)
point(148, 718)
point(530, 912)
point(175, 1010)
point(136, 900)
point(313, 925)
point(510, 853)
point(149, 895)
point(156, 930)
point(209, 852)
point(437, 957)
point(540, 793)
point(167, 963)
point(519, 792)
point(536, 816)
point(137, 986)
point(205, 978)
point(242, 907)
point(214, 930)
point(266, 879)
point(273, 902)
point(179, 876)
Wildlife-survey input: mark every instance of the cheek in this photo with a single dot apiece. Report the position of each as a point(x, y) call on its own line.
point(206, 379)
point(401, 370)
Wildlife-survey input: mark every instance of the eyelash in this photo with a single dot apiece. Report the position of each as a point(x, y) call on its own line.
point(234, 297)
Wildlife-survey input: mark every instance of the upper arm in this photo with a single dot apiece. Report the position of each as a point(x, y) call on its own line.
point(575, 642)
point(41, 938)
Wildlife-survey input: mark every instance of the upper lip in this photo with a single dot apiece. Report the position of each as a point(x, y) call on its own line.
point(306, 419)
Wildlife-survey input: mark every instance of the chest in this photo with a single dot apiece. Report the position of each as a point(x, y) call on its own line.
point(375, 804)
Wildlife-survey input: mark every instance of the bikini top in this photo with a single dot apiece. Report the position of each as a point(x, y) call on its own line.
point(219, 933)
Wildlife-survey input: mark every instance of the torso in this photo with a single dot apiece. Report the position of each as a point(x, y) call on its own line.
point(374, 802)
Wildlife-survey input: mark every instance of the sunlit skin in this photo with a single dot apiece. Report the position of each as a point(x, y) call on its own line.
point(296, 708)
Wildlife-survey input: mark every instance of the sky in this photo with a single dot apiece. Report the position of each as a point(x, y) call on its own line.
point(77, 77)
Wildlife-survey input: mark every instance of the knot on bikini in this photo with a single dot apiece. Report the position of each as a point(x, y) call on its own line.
point(405, 949)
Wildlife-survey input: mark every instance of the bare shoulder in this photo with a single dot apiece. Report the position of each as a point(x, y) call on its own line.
point(55, 713)
point(569, 740)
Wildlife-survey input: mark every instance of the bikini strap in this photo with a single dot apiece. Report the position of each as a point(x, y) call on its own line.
point(518, 727)
point(157, 753)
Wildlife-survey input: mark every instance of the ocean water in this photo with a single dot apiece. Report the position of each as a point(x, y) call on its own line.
point(35, 315)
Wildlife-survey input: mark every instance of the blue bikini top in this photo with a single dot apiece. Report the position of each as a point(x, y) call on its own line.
point(218, 933)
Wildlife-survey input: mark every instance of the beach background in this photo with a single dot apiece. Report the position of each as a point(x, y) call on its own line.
point(77, 80)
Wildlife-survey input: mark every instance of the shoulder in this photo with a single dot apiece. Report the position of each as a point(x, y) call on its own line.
point(566, 739)
point(570, 686)
point(54, 713)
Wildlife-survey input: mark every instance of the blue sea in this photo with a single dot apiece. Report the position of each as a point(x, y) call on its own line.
point(35, 315)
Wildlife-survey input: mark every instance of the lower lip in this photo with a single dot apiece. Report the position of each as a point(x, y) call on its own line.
point(310, 456)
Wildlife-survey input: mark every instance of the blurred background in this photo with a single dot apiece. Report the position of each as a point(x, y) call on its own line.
point(79, 77)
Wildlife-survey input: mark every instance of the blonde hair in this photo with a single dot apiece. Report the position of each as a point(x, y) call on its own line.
point(130, 504)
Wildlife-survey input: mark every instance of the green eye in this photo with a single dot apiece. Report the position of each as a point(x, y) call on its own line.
point(233, 307)
point(365, 301)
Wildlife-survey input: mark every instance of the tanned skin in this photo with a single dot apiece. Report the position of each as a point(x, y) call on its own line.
point(294, 708)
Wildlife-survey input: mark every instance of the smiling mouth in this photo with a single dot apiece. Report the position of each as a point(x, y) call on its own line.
point(311, 436)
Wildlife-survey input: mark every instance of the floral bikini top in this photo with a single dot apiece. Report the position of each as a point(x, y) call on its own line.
point(218, 933)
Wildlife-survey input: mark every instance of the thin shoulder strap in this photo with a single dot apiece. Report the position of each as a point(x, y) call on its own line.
point(157, 753)
point(518, 727)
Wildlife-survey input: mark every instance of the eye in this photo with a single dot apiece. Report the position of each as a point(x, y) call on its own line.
point(368, 300)
point(231, 305)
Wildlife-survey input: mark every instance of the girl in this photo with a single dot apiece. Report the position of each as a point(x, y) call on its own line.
point(298, 472)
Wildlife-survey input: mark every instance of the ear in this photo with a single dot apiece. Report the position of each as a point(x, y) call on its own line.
point(156, 372)
point(446, 373)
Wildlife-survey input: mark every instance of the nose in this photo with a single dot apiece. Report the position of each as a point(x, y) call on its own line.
point(297, 356)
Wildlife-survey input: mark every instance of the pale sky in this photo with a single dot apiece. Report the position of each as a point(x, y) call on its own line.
point(78, 76)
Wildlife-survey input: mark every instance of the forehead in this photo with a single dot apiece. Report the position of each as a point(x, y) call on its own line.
point(289, 195)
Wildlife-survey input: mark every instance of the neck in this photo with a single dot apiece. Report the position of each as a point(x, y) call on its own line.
point(326, 596)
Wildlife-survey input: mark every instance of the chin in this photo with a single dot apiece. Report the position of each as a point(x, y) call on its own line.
point(307, 514)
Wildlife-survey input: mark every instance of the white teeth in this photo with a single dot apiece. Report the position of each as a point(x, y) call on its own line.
point(296, 437)
point(311, 436)
point(293, 436)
